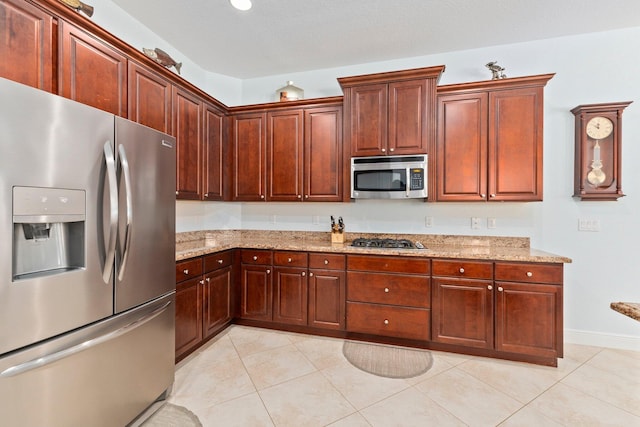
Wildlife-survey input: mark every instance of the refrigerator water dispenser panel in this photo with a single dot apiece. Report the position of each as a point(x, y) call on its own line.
point(48, 231)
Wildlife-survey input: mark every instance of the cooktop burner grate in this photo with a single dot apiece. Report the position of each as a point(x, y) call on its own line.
point(383, 243)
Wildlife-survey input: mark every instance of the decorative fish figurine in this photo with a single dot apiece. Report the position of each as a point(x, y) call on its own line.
point(162, 58)
point(79, 6)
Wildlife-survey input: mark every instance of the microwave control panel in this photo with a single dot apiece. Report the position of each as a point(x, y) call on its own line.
point(416, 179)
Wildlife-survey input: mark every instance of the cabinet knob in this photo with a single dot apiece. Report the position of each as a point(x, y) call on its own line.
point(386, 321)
point(489, 287)
point(492, 195)
point(268, 271)
point(386, 290)
point(255, 258)
point(461, 270)
point(177, 192)
point(206, 194)
point(326, 262)
point(384, 150)
point(202, 282)
point(483, 195)
point(529, 274)
point(299, 196)
point(500, 289)
point(220, 261)
point(185, 271)
point(208, 279)
point(306, 196)
point(391, 149)
point(288, 259)
point(310, 274)
point(304, 273)
point(262, 196)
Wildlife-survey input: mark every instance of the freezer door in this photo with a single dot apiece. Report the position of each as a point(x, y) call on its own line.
point(101, 375)
point(145, 260)
point(52, 251)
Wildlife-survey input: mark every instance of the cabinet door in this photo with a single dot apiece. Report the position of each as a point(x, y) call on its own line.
point(290, 295)
point(323, 154)
point(256, 292)
point(187, 128)
point(214, 160)
point(461, 160)
point(368, 117)
point(92, 72)
point(249, 156)
point(327, 299)
point(285, 155)
point(149, 97)
point(515, 144)
point(528, 318)
point(26, 44)
point(408, 117)
point(462, 312)
point(217, 300)
point(188, 315)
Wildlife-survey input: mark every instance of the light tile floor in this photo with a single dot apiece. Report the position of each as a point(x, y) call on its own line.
point(258, 377)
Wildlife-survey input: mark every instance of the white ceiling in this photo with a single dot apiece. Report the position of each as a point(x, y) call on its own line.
point(285, 36)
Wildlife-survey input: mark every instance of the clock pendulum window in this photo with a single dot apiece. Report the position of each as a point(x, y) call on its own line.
point(598, 154)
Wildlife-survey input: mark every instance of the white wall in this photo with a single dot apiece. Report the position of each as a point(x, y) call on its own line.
point(587, 70)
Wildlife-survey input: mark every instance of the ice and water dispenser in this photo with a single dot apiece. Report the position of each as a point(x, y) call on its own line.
point(48, 231)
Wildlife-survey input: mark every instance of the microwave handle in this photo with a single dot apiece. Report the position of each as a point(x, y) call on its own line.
point(408, 185)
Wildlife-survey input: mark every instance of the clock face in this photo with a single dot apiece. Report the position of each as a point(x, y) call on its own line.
point(599, 127)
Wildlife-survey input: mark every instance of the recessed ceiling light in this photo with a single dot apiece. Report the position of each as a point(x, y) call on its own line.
point(241, 4)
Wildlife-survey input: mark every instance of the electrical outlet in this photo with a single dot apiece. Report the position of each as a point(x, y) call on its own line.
point(475, 223)
point(428, 221)
point(585, 224)
point(491, 223)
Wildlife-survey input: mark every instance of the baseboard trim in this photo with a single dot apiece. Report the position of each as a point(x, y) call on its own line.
point(597, 339)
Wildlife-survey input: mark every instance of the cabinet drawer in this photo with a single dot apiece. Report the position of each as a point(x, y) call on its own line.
point(463, 268)
point(327, 261)
point(395, 289)
point(188, 269)
point(290, 259)
point(400, 322)
point(529, 273)
point(216, 261)
point(255, 256)
point(388, 264)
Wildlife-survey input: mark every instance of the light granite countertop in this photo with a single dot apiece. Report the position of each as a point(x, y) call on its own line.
point(631, 309)
point(197, 243)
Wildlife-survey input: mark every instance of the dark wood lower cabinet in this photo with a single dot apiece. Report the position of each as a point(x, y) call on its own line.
point(326, 299)
point(290, 295)
point(256, 292)
point(188, 316)
point(217, 296)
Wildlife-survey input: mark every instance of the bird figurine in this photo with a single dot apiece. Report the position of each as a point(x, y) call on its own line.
point(78, 6)
point(496, 70)
point(162, 58)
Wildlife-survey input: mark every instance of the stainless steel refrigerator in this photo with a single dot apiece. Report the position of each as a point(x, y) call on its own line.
point(87, 256)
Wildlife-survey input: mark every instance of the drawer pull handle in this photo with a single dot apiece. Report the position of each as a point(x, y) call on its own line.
point(289, 260)
point(185, 271)
point(220, 261)
point(529, 274)
point(461, 270)
point(500, 289)
point(490, 287)
point(255, 258)
point(326, 262)
point(386, 321)
point(386, 290)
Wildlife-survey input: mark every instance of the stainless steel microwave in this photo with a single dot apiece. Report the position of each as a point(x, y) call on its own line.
point(389, 177)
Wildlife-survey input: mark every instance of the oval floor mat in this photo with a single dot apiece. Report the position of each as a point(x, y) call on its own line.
point(387, 360)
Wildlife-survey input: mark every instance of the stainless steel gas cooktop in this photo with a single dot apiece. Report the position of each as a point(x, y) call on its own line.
point(386, 243)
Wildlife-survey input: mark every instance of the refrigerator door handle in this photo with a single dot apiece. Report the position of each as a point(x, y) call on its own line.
point(109, 159)
point(129, 210)
point(70, 351)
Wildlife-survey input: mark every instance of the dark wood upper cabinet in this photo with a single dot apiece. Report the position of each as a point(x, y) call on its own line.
point(248, 139)
point(27, 44)
point(323, 156)
point(187, 128)
point(92, 72)
point(490, 140)
point(391, 113)
point(215, 164)
point(149, 98)
point(285, 155)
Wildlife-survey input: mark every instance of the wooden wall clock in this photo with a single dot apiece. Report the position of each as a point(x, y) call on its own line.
point(598, 151)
